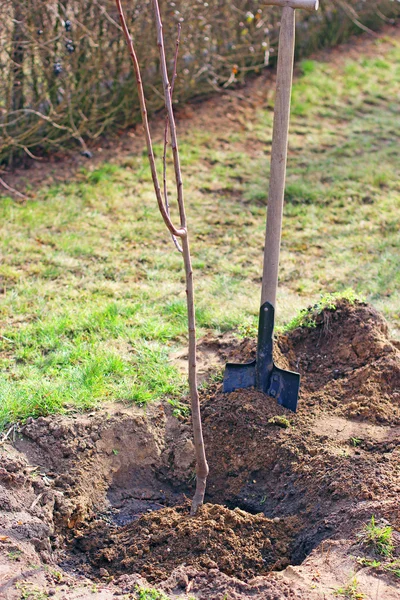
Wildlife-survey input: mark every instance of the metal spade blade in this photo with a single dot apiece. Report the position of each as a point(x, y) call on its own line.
point(262, 373)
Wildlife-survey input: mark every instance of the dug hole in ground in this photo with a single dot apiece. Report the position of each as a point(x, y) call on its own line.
point(96, 505)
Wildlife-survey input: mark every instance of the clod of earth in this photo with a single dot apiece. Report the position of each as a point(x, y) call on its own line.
point(109, 498)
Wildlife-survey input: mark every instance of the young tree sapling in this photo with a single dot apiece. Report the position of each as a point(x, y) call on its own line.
point(180, 232)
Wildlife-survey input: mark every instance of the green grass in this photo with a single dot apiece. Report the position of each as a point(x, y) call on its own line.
point(392, 567)
point(350, 591)
point(377, 538)
point(150, 594)
point(92, 291)
point(280, 421)
point(380, 542)
point(30, 592)
point(306, 317)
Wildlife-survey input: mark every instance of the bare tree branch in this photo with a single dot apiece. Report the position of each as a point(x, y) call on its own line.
point(352, 14)
point(107, 15)
point(179, 232)
point(174, 74)
point(170, 113)
point(13, 191)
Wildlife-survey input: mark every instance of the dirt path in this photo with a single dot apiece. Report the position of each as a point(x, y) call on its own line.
point(93, 506)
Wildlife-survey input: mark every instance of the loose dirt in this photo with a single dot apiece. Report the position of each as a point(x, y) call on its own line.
point(96, 505)
point(234, 541)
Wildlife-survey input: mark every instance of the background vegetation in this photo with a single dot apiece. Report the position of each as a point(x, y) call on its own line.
point(65, 74)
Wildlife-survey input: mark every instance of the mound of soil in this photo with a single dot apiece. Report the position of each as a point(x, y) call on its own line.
point(308, 467)
point(233, 541)
point(348, 364)
point(102, 494)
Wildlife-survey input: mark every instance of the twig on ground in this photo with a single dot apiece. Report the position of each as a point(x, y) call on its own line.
point(13, 191)
point(36, 501)
point(7, 339)
point(5, 436)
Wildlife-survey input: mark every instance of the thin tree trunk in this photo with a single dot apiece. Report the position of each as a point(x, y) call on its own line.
point(201, 461)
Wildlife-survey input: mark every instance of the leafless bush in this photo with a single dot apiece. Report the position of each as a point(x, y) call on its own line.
point(64, 73)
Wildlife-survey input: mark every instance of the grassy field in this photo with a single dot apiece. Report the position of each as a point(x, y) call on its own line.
point(92, 292)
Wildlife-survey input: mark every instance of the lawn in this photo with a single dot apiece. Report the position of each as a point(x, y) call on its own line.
point(92, 290)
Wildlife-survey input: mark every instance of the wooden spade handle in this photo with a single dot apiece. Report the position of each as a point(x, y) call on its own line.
point(306, 4)
point(280, 133)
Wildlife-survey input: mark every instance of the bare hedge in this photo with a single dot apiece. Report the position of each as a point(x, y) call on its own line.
point(65, 75)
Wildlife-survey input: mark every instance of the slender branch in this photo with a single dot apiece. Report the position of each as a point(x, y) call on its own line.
point(7, 435)
point(174, 74)
point(384, 17)
point(30, 154)
point(40, 115)
point(13, 191)
point(352, 14)
point(107, 15)
point(170, 113)
point(180, 232)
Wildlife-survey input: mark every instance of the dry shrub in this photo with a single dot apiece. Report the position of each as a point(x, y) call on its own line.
point(65, 74)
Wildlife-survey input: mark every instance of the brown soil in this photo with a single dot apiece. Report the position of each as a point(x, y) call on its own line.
point(350, 370)
point(348, 364)
point(237, 543)
point(102, 496)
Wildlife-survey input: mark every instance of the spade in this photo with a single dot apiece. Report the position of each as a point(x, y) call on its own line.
point(262, 373)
